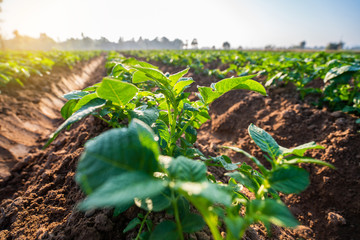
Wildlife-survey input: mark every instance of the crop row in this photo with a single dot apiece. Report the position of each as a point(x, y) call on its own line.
point(333, 77)
point(149, 158)
point(16, 66)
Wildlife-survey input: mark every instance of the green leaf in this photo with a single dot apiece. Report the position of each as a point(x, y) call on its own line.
point(161, 129)
point(67, 109)
point(132, 224)
point(297, 159)
point(340, 71)
point(153, 73)
point(225, 162)
point(245, 180)
point(228, 84)
point(175, 77)
point(117, 70)
point(192, 223)
point(264, 141)
point(271, 211)
point(182, 84)
point(118, 92)
point(84, 100)
point(75, 95)
point(210, 192)
point(254, 159)
point(85, 110)
point(139, 77)
point(156, 203)
point(115, 152)
point(148, 115)
point(121, 190)
point(186, 169)
point(236, 225)
point(208, 95)
point(133, 62)
point(289, 179)
point(300, 150)
point(189, 107)
point(165, 230)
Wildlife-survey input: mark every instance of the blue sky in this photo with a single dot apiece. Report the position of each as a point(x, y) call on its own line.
point(246, 23)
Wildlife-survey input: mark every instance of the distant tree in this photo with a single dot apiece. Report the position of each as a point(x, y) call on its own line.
point(186, 44)
point(178, 44)
point(269, 47)
point(335, 46)
point(16, 33)
point(194, 43)
point(302, 45)
point(240, 48)
point(226, 45)
point(213, 47)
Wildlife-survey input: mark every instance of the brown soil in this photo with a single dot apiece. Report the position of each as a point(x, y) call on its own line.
point(39, 196)
point(32, 112)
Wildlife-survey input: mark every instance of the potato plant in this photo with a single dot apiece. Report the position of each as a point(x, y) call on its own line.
point(19, 66)
point(148, 158)
point(338, 72)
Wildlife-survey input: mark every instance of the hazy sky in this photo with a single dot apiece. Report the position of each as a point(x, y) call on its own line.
point(247, 23)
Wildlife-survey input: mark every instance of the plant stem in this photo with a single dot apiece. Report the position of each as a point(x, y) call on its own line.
point(108, 122)
point(210, 218)
point(172, 130)
point(185, 127)
point(142, 225)
point(177, 216)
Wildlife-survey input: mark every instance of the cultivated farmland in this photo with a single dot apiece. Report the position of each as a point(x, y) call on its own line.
point(179, 145)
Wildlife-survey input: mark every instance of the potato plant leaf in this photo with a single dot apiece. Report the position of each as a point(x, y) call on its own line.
point(118, 92)
point(265, 141)
point(298, 159)
point(153, 73)
point(67, 109)
point(155, 203)
point(289, 179)
point(165, 230)
point(192, 223)
point(337, 72)
point(139, 77)
point(300, 150)
point(208, 95)
point(161, 129)
point(115, 152)
point(132, 224)
point(75, 95)
point(228, 84)
point(271, 211)
point(148, 115)
point(247, 181)
point(84, 100)
point(210, 192)
point(185, 169)
point(121, 190)
point(182, 84)
point(236, 226)
point(175, 77)
point(85, 110)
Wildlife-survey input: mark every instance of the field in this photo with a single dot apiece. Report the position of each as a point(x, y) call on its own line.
point(204, 153)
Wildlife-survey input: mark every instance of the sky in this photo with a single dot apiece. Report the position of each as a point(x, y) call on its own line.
point(246, 23)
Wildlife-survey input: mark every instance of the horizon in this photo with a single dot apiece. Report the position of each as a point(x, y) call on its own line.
point(249, 24)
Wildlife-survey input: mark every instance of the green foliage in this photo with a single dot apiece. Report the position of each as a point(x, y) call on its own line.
point(152, 163)
point(17, 67)
point(339, 71)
